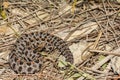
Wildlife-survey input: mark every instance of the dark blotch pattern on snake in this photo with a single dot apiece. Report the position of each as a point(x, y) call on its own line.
point(25, 59)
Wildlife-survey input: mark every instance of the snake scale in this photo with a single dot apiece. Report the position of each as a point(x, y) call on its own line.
point(24, 57)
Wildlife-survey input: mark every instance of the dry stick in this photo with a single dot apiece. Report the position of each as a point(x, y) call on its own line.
point(98, 39)
point(95, 44)
point(107, 58)
point(6, 46)
point(78, 25)
point(21, 18)
point(33, 13)
point(99, 64)
point(112, 25)
point(92, 14)
point(81, 36)
point(115, 38)
point(52, 3)
point(114, 35)
point(107, 69)
point(56, 16)
point(21, 3)
point(84, 74)
point(106, 27)
point(85, 21)
point(96, 71)
point(110, 40)
point(48, 20)
point(105, 52)
point(113, 77)
point(110, 5)
point(113, 10)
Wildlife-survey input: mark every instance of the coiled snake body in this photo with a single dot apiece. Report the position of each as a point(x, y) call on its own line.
point(25, 59)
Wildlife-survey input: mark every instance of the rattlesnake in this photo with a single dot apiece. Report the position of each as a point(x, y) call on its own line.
point(24, 57)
